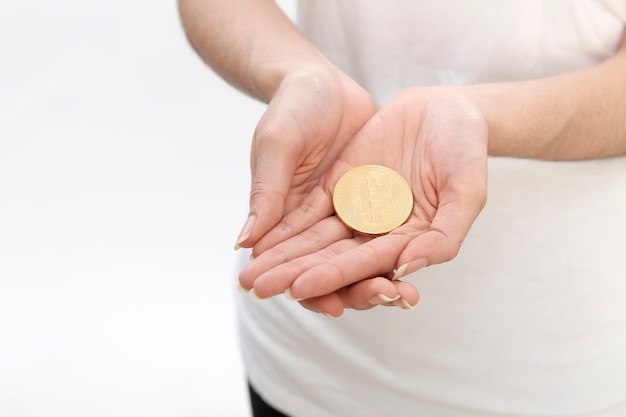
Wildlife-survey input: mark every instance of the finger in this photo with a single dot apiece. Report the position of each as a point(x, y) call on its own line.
point(365, 295)
point(409, 296)
point(365, 260)
point(443, 240)
point(330, 305)
point(318, 237)
point(315, 207)
point(278, 279)
point(369, 293)
point(273, 161)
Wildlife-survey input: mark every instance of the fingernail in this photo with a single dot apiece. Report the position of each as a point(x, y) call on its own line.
point(253, 295)
point(404, 304)
point(251, 256)
point(382, 298)
point(410, 266)
point(331, 316)
point(245, 231)
point(291, 297)
point(398, 273)
point(242, 289)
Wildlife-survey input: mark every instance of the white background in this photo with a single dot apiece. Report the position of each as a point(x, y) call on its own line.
point(123, 185)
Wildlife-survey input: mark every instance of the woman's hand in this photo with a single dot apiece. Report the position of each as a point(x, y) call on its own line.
point(309, 120)
point(313, 107)
point(437, 140)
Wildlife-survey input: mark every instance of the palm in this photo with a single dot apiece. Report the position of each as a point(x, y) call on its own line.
point(438, 146)
point(437, 143)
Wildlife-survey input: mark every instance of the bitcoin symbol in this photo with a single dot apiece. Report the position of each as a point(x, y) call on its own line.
point(375, 198)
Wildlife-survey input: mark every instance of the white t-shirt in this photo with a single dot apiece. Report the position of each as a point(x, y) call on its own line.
point(530, 318)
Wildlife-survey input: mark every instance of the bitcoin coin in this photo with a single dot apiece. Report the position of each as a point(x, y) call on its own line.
point(372, 199)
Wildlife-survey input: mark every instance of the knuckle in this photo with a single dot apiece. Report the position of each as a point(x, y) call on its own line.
point(336, 271)
point(451, 250)
point(447, 247)
point(314, 238)
point(278, 256)
point(306, 209)
point(294, 269)
point(265, 131)
point(258, 189)
point(369, 253)
point(284, 228)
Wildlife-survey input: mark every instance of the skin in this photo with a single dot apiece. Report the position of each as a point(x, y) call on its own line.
point(448, 175)
point(319, 123)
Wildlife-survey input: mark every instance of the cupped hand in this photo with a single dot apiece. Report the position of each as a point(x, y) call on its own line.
point(436, 138)
point(308, 121)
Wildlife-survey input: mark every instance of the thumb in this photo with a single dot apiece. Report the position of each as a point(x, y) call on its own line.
point(442, 242)
point(273, 164)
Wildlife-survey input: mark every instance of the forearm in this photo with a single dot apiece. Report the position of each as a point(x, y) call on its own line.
point(251, 44)
point(579, 115)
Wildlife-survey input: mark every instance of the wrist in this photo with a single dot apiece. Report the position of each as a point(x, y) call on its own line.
point(269, 74)
point(524, 118)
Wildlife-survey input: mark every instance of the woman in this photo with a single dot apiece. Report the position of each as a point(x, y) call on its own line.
point(522, 100)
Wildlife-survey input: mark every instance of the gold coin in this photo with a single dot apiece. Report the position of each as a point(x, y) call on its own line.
point(372, 199)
